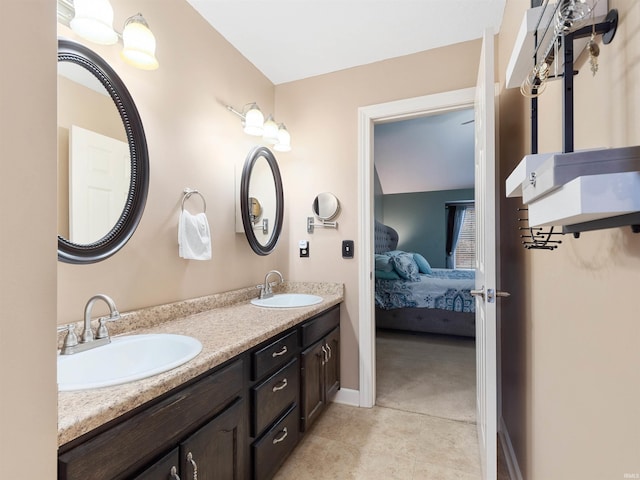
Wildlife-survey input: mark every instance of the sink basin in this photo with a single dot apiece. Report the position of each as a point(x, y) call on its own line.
point(125, 359)
point(287, 300)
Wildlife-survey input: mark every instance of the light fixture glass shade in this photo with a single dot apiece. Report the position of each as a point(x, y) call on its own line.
point(284, 140)
point(139, 44)
point(93, 21)
point(254, 121)
point(270, 131)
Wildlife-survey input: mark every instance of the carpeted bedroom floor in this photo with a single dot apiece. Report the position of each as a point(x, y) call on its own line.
point(427, 374)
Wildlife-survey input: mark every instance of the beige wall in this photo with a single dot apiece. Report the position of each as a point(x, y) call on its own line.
point(570, 332)
point(193, 142)
point(321, 112)
point(27, 241)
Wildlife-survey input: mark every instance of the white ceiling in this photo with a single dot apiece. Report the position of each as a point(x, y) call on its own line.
point(289, 40)
point(426, 154)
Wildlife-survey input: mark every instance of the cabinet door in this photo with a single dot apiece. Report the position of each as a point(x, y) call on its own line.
point(216, 451)
point(312, 377)
point(332, 366)
point(164, 469)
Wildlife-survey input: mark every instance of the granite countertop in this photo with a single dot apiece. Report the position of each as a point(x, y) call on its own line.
point(228, 326)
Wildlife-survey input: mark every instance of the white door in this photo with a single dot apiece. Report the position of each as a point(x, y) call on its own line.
point(99, 175)
point(485, 198)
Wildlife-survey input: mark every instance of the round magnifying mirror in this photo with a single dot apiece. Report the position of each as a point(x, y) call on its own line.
point(255, 210)
point(103, 163)
point(261, 179)
point(326, 206)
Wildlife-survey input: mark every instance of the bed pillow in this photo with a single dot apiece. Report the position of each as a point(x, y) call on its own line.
point(383, 263)
point(404, 264)
point(384, 275)
point(423, 265)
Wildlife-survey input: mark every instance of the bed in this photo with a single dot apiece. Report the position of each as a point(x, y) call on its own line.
point(411, 295)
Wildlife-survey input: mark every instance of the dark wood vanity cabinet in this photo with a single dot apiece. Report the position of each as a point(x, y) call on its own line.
point(275, 398)
point(205, 418)
point(209, 453)
point(320, 364)
point(240, 421)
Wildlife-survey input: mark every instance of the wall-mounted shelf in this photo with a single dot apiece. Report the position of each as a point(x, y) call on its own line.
point(579, 191)
point(536, 20)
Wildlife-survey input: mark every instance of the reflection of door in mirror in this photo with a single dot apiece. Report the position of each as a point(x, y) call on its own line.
point(99, 173)
point(83, 101)
point(262, 187)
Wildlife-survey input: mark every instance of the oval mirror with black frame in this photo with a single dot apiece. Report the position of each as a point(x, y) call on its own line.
point(261, 180)
point(326, 206)
point(97, 211)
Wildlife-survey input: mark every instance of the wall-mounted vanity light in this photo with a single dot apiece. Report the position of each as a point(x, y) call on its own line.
point(93, 21)
point(272, 133)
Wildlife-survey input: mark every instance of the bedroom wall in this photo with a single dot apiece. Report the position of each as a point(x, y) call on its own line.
point(378, 208)
point(421, 221)
point(328, 161)
point(570, 331)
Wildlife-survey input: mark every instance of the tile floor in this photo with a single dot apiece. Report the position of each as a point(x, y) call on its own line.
point(403, 441)
point(357, 443)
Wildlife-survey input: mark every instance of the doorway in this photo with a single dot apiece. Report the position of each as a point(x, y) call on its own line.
point(368, 117)
point(424, 329)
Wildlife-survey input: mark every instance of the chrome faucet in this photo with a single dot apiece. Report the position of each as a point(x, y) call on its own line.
point(265, 290)
point(87, 339)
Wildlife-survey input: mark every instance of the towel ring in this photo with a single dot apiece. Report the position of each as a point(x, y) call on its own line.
point(187, 194)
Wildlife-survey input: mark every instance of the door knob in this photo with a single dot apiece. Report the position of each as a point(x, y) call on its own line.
point(491, 294)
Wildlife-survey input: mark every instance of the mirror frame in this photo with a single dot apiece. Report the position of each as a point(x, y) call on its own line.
point(252, 157)
point(117, 237)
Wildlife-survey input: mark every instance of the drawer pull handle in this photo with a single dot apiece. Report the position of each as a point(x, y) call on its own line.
point(281, 352)
point(325, 357)
point(193, 463)
point(281, 385)
point(281, 437)
point(174, 474)
point(329, 350)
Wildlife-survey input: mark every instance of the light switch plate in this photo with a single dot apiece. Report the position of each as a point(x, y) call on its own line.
point(347, 249)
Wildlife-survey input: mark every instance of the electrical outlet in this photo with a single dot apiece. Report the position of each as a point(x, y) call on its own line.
point(303, 245)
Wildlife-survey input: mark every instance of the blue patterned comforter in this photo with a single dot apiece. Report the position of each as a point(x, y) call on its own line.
point(444, 289)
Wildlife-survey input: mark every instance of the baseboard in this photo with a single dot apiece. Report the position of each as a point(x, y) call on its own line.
point(509, 453)
point(347, 396)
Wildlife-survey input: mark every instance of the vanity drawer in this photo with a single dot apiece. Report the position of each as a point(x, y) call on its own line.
point(273, 355)
point(274, 395)
point(273, 447)
point(318, 327)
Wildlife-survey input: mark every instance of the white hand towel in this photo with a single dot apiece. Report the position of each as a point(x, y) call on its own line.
point(194, 238)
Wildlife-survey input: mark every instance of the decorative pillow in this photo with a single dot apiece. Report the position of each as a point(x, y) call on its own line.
point(423, 265)
point(383, 275)
point(404, 264)
point(383, 262)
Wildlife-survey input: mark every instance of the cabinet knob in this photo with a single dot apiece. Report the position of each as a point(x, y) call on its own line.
point(193, 464)
point(282, 436)
point(174, 474)
point(280, 386)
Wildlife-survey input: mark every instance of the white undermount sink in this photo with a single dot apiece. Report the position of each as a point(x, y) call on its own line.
point(125, 359)
point(287, 300)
